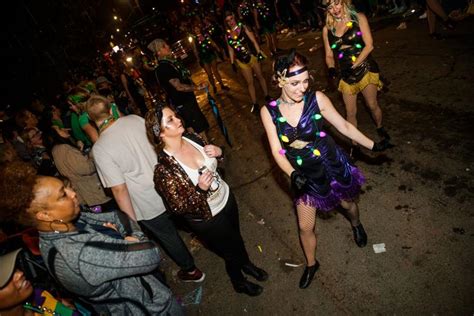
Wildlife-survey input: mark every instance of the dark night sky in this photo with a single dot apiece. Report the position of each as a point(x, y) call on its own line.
point(45, 39)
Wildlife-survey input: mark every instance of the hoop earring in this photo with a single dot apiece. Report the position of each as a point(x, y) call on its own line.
point(58, 221)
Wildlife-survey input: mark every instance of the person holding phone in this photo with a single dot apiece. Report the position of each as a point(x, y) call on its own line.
point(186, 178)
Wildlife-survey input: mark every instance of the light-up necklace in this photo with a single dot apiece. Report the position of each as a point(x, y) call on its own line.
point(311, 151)
point(280, 100)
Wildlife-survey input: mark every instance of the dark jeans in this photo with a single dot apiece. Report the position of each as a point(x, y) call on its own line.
point(221, 234)
point(165, 233)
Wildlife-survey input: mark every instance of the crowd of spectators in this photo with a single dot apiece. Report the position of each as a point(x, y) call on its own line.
point(54, 138)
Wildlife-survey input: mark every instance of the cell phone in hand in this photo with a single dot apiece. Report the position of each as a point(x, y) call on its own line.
point(202, 169)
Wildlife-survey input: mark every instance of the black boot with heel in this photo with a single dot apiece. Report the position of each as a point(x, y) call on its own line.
point(254, 271)
point(360, 236)
point(247, 287)
point(308, 275)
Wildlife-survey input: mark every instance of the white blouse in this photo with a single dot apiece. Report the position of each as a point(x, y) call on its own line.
point(219, 190)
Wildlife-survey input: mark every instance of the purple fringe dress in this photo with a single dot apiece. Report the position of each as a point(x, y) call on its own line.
point(331, 177)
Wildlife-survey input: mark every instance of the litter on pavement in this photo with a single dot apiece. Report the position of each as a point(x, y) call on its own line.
point(379, 248)
point(192, 298)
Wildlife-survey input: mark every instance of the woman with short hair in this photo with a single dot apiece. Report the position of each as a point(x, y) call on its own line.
point(92, 259)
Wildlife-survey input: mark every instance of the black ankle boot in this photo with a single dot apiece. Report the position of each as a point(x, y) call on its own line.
point(247, 287)
point(360, 237)
point(308, 275)
point(383, 133)
point(256, 272)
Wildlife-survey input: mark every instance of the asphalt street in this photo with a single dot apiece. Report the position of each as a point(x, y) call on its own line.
point(418, 199)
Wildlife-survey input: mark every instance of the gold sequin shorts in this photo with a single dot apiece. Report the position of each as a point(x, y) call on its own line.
point(248, 65)
point(369, 78)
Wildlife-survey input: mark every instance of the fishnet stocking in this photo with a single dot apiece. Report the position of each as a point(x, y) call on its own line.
point(306, 224)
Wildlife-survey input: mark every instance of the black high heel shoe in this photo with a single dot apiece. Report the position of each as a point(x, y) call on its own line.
point(308, 275)
point(256, 272)
point(246, 287)
point(360, 237)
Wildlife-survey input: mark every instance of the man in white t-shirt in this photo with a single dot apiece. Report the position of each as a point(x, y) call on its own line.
point(125, 162)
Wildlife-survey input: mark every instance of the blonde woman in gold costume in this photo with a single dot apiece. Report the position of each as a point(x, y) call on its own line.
point(348, 45)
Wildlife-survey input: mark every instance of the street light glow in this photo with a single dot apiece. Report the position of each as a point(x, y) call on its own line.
point(129, 59)
point(118, 30)
point(115, 17)
point(190, 39)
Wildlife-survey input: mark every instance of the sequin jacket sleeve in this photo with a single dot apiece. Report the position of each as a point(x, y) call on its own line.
point(178, 191)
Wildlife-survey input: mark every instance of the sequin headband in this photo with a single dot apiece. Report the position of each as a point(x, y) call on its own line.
point(156, 127)
point(283, 76)
point(296, 72)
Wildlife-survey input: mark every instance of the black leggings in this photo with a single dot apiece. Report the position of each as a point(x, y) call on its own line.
point(221, 234)
point(164, 232)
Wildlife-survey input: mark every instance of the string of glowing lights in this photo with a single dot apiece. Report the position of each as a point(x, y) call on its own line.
point(262, 9)
point(203, 42)
point(244, 9)
point(236, 41)
point(313, 150)
point(359, 46)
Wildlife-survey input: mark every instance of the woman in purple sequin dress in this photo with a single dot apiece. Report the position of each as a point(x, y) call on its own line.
point(322, 177)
